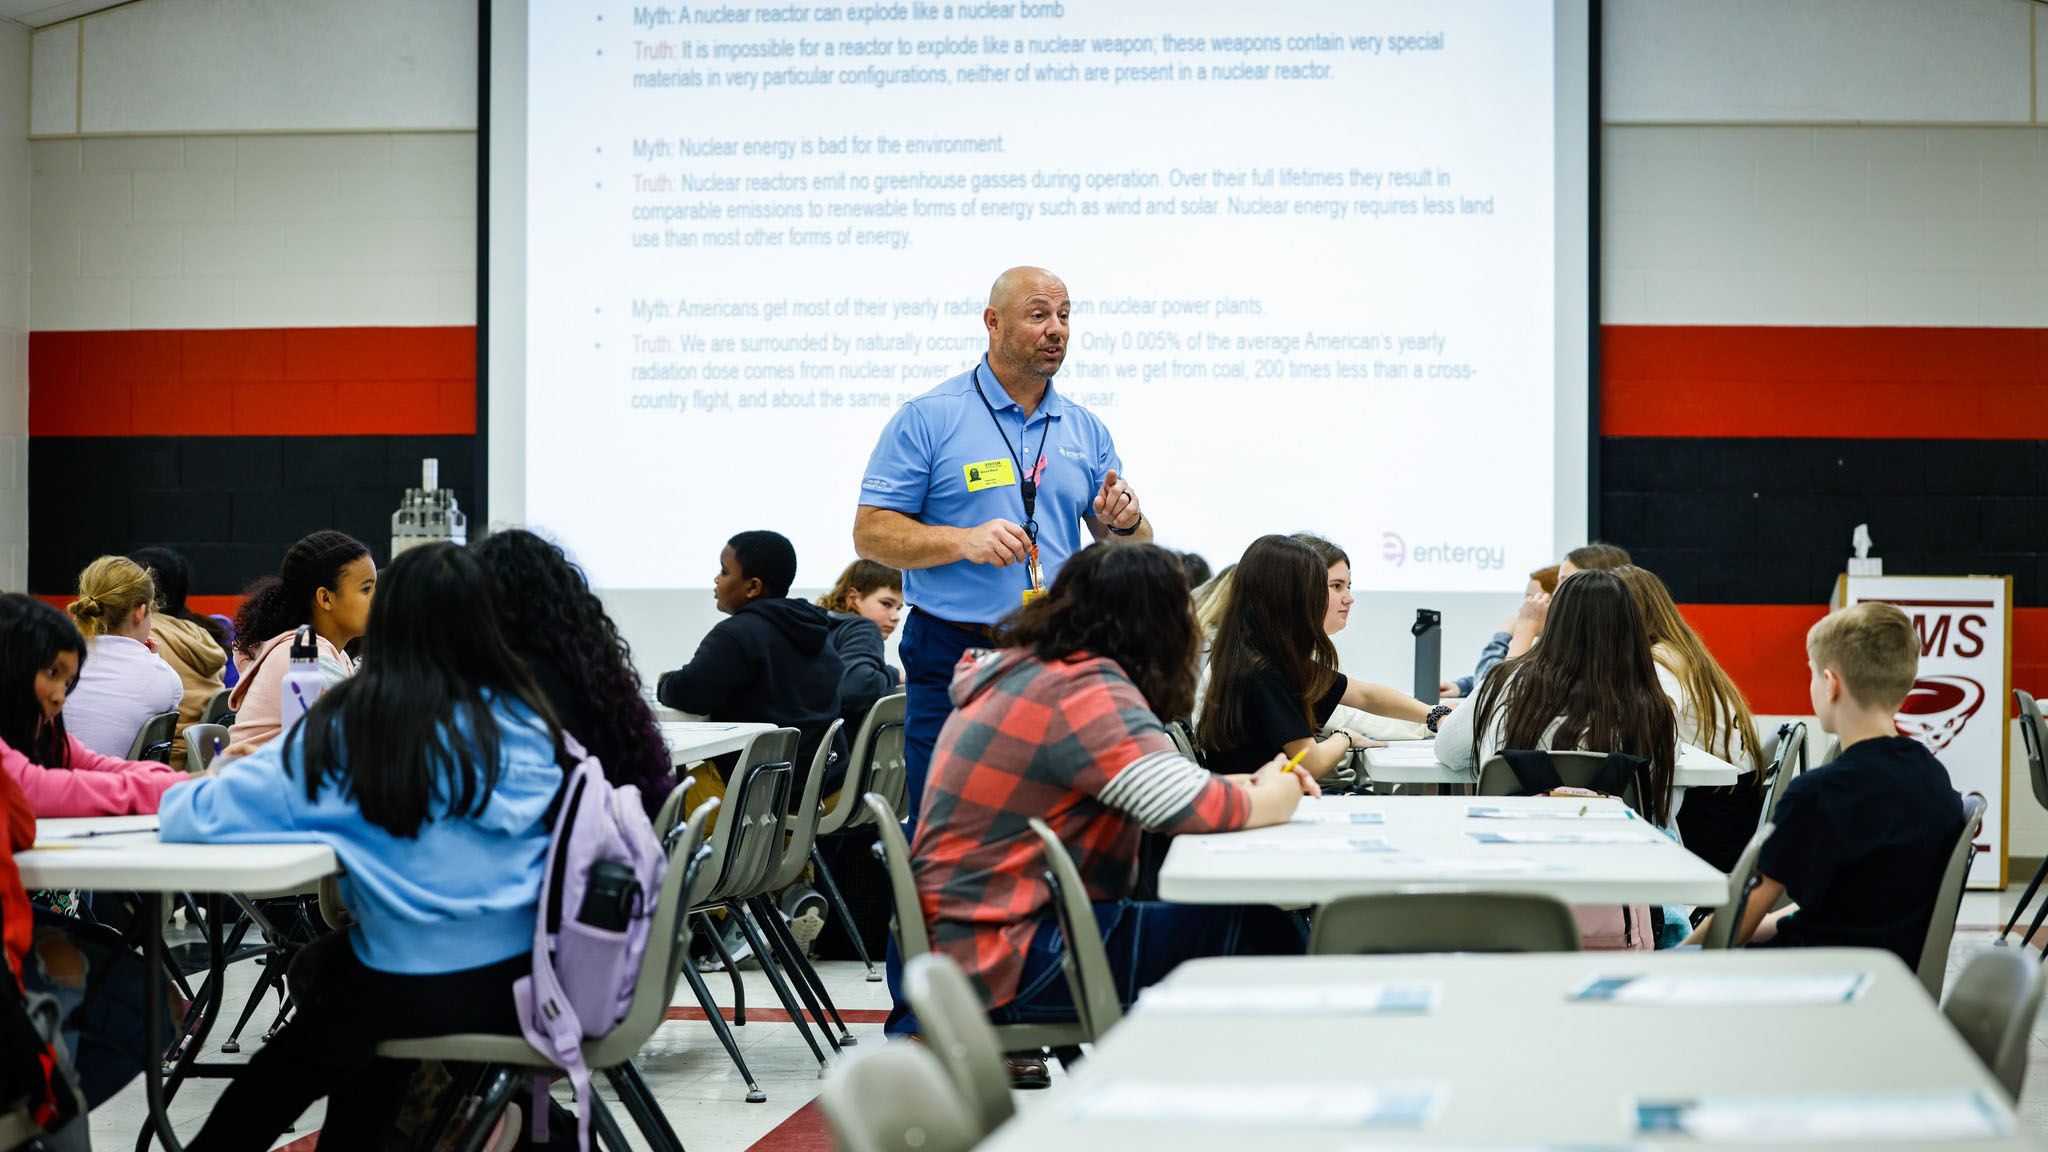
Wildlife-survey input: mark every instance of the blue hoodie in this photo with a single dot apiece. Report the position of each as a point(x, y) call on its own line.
point(461, 895)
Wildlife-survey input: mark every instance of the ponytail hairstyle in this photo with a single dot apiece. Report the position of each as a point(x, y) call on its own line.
point(109, 591)
point(32, 635)
point(173, 578)
point(861, 578)
point(280, 603)
point(411, 737)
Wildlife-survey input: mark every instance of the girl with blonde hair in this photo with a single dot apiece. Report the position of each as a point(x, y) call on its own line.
point(123, 682)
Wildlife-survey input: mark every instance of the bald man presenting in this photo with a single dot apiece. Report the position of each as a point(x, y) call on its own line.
point(979, 490)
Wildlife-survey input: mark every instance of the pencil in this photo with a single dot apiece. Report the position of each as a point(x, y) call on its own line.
point(1296, 760)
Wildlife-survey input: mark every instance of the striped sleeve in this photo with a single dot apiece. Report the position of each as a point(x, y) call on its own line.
point(1166, 792)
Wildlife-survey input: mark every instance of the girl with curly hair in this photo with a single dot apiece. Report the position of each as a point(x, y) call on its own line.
point(583, 666)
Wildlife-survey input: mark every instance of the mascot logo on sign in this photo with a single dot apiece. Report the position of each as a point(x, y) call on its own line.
point(1937, 708)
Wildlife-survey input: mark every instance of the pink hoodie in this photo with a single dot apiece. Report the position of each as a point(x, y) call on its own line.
point(94, 785)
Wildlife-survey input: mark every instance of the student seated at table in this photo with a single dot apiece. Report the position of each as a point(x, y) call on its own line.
point(194, 646)
point(1861, 841)
point(1715, 823)
point(769, 661)
point(863, 608)
point(1066, 725)
point(1592, 684)
point(1536, 595)
point(327, 580)
point(41, 653)
point(431, 773)
point(1273, 679)
point(124, 683)
point(579, 661)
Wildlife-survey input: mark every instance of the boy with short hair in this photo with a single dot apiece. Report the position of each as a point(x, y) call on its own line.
point(769, 660)
point(1862, 842)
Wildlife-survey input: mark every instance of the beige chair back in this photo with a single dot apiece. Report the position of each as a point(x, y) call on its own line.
point(1948, 899)
point(202, 743)
point(912, 937)
point(1996, 997)
point(756, 795)
point(1722, 928)
point(2034, 738)
point(216, 706)
point(802, 826)
point(154, 741)
point(875, 765)
point(1084, 959)
point(668, 948)
point(1447, 921)
point(956, 1027)
point(897, 1100)
point(1785, 767)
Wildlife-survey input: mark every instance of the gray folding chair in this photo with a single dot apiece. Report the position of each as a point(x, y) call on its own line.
point(1576, 768)
point(1183, 740)
point(802, 827)
point(1084, 959)
point(1722, 927)
point(914, 939)
point(1996, 997)
point(1446, 921)
point(2034, 738)
point(154, 741)
point(202, 743)
point(957, 1029)
point(1784, 768)
point(216, 706)
point(1948, 899)
point(876, 765)
point(897, 1100)
point(508, 1058)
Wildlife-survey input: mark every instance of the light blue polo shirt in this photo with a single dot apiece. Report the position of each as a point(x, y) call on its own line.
point(921, 468)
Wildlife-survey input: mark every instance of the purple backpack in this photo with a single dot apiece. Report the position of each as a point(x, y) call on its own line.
point(604, 870)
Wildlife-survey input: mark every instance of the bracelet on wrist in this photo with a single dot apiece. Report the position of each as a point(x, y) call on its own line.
point(1436, 716)
point(1131, 531)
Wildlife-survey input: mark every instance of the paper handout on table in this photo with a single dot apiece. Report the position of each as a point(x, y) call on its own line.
point(1406, 754)
point(1324, 847)
point(1538, 836)
point(1466, 865)
point(1726, 988)
point(1309, 813)
point(1331, 1104)
point(1412, 997)
point(1921, 1117)
point(1563, 811)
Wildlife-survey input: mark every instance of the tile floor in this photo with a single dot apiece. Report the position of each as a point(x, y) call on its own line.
point(705, 1097)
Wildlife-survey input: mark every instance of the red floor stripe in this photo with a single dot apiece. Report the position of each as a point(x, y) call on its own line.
point(804, 1131)
point(778, 1016)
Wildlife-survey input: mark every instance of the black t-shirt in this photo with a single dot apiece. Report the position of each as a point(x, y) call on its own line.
point(1861, 845)
point(1273, 719)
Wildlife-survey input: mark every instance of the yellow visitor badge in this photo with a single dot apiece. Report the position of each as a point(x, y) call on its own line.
point(1031, 594)
point(990, 474)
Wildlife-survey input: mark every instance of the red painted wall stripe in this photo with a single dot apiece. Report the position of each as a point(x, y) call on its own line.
point(1866, 383)
point(253, 382)
point(1763, 648)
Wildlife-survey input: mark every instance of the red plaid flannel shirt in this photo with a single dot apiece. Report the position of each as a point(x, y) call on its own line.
point(1073, 743)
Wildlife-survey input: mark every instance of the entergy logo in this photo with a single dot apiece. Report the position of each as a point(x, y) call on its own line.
point(1393, 549)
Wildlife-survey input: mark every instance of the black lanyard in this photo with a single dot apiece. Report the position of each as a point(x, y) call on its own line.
point(1025, 481)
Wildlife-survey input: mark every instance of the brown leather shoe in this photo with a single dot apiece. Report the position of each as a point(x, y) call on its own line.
point(1029, 1072)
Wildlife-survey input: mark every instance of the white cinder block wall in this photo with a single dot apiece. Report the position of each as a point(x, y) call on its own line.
point(14, 308)
point(1829, 162)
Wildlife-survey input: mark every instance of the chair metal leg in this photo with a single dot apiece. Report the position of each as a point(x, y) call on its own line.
point(732, 970)
point(2026, 898)
point(605, 1127)
point(831, 884)
point(717, 1019)
point(273, 977)
point(2039, 914)
point(773, 971)
point(492, 1096)
point(807, 982)
point(640, 1105)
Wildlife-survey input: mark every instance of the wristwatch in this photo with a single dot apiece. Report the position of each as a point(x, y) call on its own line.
point(1131, 531)
point(1436, 716)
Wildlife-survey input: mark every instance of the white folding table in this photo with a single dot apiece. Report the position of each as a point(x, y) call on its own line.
point(692, 740)
point(1435, 842)
point(1515, 1058)
point(1415, 762)
point(123, 854)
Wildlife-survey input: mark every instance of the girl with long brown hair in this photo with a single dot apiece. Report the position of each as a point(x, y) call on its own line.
point(1273, 679)
point(1714, 822)
point(1592, 684)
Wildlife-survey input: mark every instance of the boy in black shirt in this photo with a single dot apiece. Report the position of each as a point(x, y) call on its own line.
point(1862, 842)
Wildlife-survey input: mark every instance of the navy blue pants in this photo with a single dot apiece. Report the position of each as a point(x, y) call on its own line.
point(930, 650)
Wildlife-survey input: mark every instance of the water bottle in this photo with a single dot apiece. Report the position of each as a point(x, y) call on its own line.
point(611, 894)
point(303, 681)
